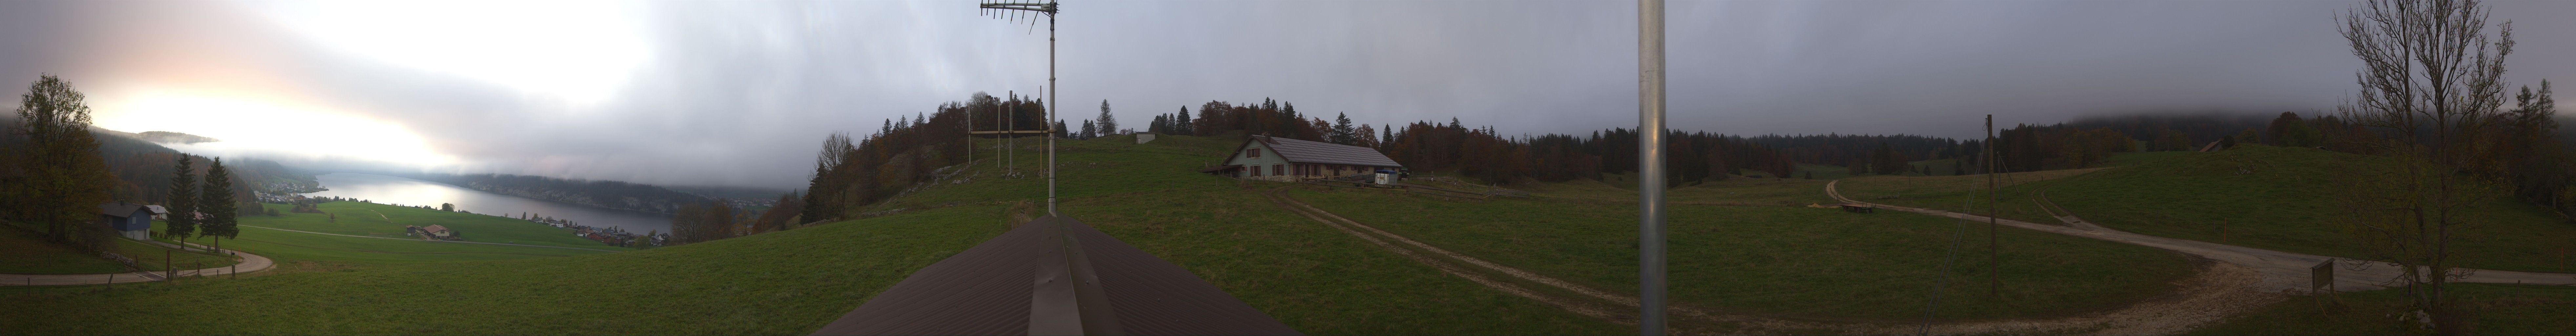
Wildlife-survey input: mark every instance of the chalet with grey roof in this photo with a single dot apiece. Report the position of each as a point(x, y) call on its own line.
point(128, 219)
point(1283, 159)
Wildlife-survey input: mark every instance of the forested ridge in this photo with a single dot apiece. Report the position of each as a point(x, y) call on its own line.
point(143, 169)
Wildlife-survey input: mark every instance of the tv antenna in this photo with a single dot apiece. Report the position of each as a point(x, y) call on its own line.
point(1016, 12)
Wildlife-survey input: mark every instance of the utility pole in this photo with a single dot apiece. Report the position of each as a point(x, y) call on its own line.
point(1650, 167)
point(1994, 203)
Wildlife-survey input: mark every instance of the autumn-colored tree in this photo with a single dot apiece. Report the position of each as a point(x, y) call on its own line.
point(59, 179)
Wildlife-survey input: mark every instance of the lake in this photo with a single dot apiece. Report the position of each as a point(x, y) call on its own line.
point(396, 190)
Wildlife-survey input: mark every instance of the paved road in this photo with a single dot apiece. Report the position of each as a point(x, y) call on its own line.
point(2282, 271)
point(249, 263)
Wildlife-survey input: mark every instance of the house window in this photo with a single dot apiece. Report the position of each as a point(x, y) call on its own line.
point(1256, 170)
point(1252, 152)
point(1275, 170)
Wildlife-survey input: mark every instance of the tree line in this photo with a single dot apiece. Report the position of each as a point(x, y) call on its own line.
point(55, 174)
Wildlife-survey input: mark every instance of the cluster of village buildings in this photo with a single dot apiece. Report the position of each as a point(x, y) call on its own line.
point(613, 236)
point(295, 187)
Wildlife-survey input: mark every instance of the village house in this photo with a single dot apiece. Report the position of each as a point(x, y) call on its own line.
point(1282, 159)
point(433, 231)
point(133, 221)
point(159, 212)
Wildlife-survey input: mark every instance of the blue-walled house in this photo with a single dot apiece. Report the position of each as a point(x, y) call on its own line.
point(130, 220)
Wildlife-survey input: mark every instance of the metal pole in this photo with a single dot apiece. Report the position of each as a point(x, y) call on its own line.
point(1050, 105)
point(1011, 151)
point(1994, 259)
point(1650, 167)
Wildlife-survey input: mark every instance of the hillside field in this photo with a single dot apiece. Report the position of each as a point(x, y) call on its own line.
point(2253, 195)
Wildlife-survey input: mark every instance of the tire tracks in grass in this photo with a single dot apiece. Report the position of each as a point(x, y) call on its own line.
point(2216, 291)
point(1585, 301)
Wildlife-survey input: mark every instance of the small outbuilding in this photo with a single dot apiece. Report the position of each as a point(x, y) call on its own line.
point(1283, 159)
point(129, 220)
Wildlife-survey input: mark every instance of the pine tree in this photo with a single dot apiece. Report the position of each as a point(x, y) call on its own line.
point(183, 201)
point(1108, 124)
point(216, 200)
point(1181, 123)
point(1342, 130)
point(1089, 130)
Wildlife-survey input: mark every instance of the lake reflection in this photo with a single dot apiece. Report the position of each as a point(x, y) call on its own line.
point(396, 190)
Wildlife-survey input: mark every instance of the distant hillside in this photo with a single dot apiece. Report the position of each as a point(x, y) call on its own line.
point(143, 169)
point(605, 194)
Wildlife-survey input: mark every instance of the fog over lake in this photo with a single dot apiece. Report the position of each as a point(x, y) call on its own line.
point(396, 190)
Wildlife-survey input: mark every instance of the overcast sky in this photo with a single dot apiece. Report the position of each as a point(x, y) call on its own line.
point(739, 93)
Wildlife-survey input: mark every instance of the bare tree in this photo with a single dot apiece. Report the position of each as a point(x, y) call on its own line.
point(2432, 75)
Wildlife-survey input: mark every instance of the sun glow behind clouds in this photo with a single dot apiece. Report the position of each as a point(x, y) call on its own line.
point(578, 52)
point(256, 127)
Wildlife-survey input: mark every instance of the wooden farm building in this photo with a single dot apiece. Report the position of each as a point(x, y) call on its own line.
point(1283, 159)
point(128, 219)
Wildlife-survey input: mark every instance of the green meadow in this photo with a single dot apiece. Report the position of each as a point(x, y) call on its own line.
point(22, 251)
point(2253, 195)
point(1309, 276)
point(1752, 247)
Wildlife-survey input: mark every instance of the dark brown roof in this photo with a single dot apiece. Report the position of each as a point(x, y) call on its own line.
point(119, 209)
point(1302, 151)
point(988, 290)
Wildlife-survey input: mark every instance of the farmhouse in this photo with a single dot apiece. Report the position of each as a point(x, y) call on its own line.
point(1283, 159)
point(159, 212)
point(128, 219)
point(432, 231)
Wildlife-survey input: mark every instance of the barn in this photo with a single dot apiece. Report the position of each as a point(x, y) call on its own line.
point(128, 219)
point(1283, 159)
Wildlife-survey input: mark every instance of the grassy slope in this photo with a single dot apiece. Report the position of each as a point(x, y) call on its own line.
point(2287, 203)
point(379, 220)
point(1951, 192)
point(785, 283)
point(1755, 256)
point(2494, 310)
point(23, 252)
point(360, 219)
point(1307, 275)
point(1315, 279)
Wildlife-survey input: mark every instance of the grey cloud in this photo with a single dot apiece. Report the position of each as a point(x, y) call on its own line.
point(736, 93)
